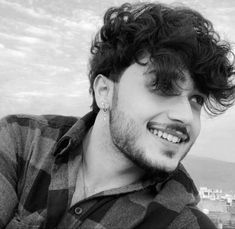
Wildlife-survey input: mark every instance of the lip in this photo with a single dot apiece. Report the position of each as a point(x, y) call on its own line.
point(175, 130)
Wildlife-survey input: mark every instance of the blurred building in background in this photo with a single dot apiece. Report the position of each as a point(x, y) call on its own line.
point(219, 206)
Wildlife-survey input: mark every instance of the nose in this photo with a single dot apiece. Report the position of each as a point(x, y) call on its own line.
point(181, 110)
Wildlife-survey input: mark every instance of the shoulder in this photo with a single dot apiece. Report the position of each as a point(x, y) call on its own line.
point(190, 218)
point(53, 121)
point(18, 133)
point(21, 124)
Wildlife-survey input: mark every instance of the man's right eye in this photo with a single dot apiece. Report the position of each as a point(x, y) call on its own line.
point(198, 99)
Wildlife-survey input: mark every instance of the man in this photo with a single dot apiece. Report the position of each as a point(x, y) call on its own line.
point(153, 67)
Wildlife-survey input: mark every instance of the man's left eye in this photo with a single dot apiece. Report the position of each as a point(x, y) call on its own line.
point(198, 99)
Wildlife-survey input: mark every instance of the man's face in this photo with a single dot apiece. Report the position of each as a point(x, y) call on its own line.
point(153, 130)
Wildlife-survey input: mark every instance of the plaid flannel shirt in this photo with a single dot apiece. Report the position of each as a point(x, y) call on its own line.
point(39, 160)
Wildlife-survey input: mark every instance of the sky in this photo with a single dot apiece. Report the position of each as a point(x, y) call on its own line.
point(44, 53)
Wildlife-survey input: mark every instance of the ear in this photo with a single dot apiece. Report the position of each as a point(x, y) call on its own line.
point(103, 89)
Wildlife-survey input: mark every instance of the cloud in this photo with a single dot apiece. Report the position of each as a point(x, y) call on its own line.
point(26, 39)
point(16, 53)
point(81, 24)
point(226, 10)
point(25, 49)
point(7, 52)
point(43, 94)
point(84, 20)
point(37, 31)
point(29, 40)
point(29, 11)
point(42, 32)
point(84, 25)
point(53, 69)
point(27, 94)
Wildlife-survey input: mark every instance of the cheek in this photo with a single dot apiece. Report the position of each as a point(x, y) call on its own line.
point(133, 103)
point(138, 104)
point(196, 126)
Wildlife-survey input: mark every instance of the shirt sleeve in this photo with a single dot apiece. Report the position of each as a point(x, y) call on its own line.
point(8, 172)
point(202, 220)
point(192, 218)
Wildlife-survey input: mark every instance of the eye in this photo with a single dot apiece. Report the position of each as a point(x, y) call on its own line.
point(198, 99)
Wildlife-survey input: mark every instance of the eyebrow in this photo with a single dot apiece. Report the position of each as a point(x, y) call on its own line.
point(179, 75)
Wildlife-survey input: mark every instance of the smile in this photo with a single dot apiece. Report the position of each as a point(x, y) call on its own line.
point(166, 136)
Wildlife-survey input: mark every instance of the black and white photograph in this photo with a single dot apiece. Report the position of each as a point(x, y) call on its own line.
point(117, 114)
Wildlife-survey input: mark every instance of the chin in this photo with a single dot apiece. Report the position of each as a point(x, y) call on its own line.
point(166, 161)
point(169, 167)
point(165, 165)
point(160, 164)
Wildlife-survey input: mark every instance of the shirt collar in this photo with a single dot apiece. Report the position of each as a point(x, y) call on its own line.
point(74, 136)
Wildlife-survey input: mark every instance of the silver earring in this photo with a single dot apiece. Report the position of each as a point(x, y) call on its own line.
point(105, 109)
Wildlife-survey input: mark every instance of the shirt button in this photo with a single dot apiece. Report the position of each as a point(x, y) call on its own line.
point(78, 211)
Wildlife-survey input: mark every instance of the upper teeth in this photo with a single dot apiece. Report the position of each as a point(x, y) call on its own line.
point(165, 135)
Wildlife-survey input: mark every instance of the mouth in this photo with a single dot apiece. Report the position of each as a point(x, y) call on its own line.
point(169, 135)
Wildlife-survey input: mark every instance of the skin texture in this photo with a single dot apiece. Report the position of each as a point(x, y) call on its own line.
point(135, 105)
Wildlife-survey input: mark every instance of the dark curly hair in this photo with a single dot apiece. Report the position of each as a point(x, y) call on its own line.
point(175, 39)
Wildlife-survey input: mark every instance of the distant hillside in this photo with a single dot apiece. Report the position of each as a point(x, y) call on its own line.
point(211, 173)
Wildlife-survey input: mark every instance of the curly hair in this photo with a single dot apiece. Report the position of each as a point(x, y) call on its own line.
point(175, 39)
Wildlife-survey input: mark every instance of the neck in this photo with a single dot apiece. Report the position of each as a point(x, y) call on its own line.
point(105, 167)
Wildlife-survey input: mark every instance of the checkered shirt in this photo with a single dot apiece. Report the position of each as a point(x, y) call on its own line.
point(39, 160)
